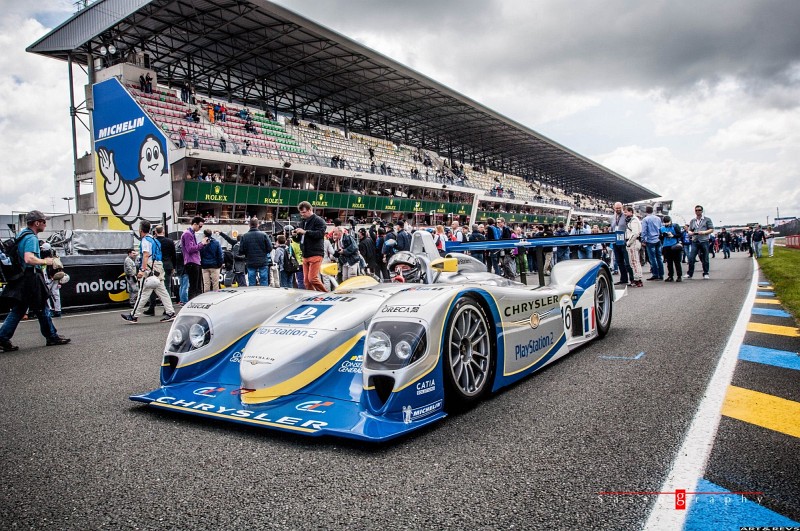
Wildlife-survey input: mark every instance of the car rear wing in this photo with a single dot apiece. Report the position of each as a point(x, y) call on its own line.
point(536, 243)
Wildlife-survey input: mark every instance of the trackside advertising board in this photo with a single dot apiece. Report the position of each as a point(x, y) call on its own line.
point(131, 160)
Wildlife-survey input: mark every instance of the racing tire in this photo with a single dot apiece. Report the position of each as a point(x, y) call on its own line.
point(469, 360)
point(603, 302)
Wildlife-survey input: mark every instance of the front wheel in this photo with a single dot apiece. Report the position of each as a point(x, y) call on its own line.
point(469, 361)
point(603, 302)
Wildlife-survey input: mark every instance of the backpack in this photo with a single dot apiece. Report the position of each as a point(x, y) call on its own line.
point(11, 267)
point(290, 264)
point(155, 245)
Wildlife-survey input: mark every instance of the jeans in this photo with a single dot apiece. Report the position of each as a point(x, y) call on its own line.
point(183, 294)
point(621, 259)
point(19, 309)
point(562, 254)
point(286, 279)
point(494, 257)
point(771, 245)
point(700, 248)
point(262, 272)
point(757, 249)
point(726, 250)
point(654, 257)
point(584, 252)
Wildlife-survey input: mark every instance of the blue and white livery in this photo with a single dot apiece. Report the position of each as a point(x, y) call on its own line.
point(374, 361)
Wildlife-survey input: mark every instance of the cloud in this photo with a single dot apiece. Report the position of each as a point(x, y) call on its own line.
point(34, 123)
point(587, 45)
point(732, 191)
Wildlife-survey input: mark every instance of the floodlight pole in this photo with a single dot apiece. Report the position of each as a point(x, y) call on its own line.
point(72, 114)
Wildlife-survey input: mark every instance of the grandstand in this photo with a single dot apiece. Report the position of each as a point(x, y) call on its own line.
point(308, 114)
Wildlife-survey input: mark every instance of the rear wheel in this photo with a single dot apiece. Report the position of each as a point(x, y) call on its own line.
point(603, 302)
point(469, 361)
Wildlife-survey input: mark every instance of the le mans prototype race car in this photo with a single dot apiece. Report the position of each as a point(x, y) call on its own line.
point(371, 360)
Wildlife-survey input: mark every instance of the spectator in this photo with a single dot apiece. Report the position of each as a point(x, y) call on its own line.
point(130, 276)
point(169, 259)
point(150, 265)
point(759, 238)
point(256, 247)
point(366, 248)
point(769, 236)
point(278, 258)
point(439, 238)
point(584, 251)
point(651, 236)
point(672, 236)
point(493, 257)
point(402, 237)
point(237, 272)
point(211, 259)
point(381, 252)
point(148, 83)
point(311, 231)
point(562, 251)
point(191, 256)
point(621, 262)
point(346, 253)
point(30, 291)
point(725, 240)
point(700, 227)
point(634, 245)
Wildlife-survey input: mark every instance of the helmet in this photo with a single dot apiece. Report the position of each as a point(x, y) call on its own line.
point(406, 264)
point(151, 282)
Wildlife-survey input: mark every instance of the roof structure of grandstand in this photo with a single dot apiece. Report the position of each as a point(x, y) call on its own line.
point(255, 53)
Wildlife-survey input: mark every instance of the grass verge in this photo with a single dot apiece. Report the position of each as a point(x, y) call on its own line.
point(783, 270)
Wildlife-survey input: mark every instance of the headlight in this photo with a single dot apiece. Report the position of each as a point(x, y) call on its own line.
point(379, 346)
point(197, 335)
point(188, 333)
point(395, 344)
point(403, 350)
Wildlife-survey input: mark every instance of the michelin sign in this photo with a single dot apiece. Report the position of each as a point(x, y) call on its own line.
point(132, 165)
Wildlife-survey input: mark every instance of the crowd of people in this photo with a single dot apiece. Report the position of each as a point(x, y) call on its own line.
point(294, 256)
point(298, 253)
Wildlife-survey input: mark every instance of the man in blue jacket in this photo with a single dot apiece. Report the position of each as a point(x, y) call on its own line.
point(651, 235)
point(30, 291)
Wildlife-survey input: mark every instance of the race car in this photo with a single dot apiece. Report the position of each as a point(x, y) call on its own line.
point(371, 360)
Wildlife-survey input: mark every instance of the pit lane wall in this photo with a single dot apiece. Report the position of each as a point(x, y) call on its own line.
point(94, 281)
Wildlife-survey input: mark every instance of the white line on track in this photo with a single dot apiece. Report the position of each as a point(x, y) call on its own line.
point(690, 463)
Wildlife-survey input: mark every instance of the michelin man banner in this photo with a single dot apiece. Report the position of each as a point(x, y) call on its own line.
point(132, 166)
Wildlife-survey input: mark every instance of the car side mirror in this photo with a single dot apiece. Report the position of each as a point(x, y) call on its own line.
point(445, 265)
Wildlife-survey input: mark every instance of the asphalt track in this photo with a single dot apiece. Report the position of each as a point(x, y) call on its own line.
point(76, 453)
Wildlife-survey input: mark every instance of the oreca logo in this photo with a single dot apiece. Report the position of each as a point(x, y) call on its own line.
point(117, 289)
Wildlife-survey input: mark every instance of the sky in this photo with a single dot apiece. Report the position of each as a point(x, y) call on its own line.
point(698, 101)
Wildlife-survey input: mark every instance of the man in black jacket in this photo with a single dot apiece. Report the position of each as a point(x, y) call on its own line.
point(256, 246)
point(237, 271)
point(403, 238)
point(367, 249)
point(311, 230)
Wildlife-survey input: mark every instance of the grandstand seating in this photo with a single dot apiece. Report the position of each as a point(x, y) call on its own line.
point(317, 145)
